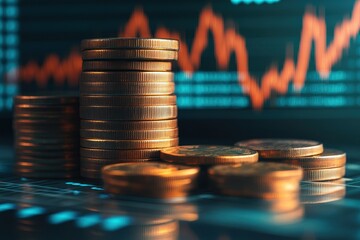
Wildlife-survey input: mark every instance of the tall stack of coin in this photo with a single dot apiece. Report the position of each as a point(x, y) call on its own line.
point(319, 164)
point(46, 136)
point(127, 106)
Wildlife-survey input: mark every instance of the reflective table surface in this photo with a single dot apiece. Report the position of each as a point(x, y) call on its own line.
point(79, 209)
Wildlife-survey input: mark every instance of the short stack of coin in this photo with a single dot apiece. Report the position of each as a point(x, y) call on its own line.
point(127, 105)
point(150, 180)
point(319, 164)
point(46, 136)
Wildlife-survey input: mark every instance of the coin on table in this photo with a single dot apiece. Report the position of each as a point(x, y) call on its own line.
point(330, 158)
point(208, 155)
point(130, 43)
point(166, 180)
point(283, 148)
point(264, 180)
point(324, 174)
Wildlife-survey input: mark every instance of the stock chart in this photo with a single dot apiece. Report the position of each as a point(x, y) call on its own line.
point(248, 55)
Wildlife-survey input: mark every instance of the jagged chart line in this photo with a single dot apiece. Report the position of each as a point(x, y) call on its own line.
point(226, 42)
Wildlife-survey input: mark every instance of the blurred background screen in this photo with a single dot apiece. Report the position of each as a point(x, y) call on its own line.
point(252, 67)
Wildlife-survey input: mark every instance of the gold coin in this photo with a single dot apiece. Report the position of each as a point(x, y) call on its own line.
point(283, 148)
point(130, 135)
point(135, 43)
point(154, 169)
point(208, 155)
point(330, 158)
point(129, 113)
point(45, 100)
point(260, 170)
point(120, 154)
point(120, 65)
point(127, 76)
point(122, 179)
point(129, 54)
point(127, 88)
point(127, 101)
point(324, 174)
point(128, 125)
point(263, 180)
point(128, 144)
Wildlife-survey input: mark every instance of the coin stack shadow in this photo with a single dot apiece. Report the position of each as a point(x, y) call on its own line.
point(127, 104)
point(46, 136)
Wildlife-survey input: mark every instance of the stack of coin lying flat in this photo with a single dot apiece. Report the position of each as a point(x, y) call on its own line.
point(46, 136)
point(127, 106)
point(150, 179)
point(319, 164)
point(205, 156)
point(263, 180)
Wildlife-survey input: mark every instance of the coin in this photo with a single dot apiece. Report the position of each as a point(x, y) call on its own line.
point(151, 66)
point(133, 54)
point(99, 162)
point(132, 43)
point(324, 174)
point(128, 144)
point(49, 147)
point(45, 160)
point(129, 113)
point(283, 148)
point(260, 170)
point(44, 167)
point(118, 179)
point(208, 155)
point(120, 154)
point(330, 158)
point(40, 123)
point(46, 141)
point(155, 169)
point(127, 88)
point(46, 174)
point(130, 135)
point(128, 125)
point(263, 180)
point(127, 100)
point(117, 76)
point(43, 153)
point(45, 100)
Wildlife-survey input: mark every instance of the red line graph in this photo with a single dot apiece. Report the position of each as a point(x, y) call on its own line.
point(226, 42)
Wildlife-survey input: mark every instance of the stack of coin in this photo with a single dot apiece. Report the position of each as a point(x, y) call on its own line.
point(205, 156)
point(263, 180)
point(46, 136)
point(319, 164)
point(150, 179)
point(127, 106)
